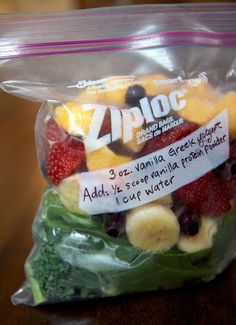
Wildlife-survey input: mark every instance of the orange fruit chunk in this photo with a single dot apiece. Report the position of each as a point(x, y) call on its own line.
point(104, 158)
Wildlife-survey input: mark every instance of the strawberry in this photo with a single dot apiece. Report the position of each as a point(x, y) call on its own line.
point(64, 158)
point(54, 132)
point(168, 137)
point(217, 199)
point(207, 195)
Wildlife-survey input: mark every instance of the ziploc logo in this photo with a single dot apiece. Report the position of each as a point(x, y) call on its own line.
point(123, 122)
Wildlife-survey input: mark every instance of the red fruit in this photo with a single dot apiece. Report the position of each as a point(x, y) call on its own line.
point(168, 137)
point(192, 193)
point(189, 222)
point(64, 158)
point(207, 195)
point(54, 132)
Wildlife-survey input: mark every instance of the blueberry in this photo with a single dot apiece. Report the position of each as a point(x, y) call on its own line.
point(114, 224)
point(189, 222)
point(113, 232)
point(134, 94)
point(193, 229)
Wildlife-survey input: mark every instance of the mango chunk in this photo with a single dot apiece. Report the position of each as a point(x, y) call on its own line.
point(200, 104)
point(104, 158)
point(72, 118)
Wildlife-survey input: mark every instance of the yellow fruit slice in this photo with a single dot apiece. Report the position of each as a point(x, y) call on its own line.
point(228, 101)
point(166, 200)
point(152, 227)
point(200, 104)
point(104, 158)
point(72, 118)
point(202, 240)
point(68, 191)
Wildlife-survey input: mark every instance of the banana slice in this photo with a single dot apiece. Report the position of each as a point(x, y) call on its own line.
point(166, 200)
point(152, 227)
point(104, 158)
point(202, 240)
point(68, 191)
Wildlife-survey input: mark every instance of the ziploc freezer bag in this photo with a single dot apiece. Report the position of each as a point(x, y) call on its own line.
point(136, 137)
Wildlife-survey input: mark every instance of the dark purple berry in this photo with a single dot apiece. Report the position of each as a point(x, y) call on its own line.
point(134, 94)
point(189, 222)
point(114, 224)
point(193, 229)
point(113, 232)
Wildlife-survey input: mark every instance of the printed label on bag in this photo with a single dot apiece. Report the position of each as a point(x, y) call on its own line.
point(160, 173)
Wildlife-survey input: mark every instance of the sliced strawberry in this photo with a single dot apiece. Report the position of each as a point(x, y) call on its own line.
point(168, 137)
point(208, 195)
point(54, 132)
point(64, 158)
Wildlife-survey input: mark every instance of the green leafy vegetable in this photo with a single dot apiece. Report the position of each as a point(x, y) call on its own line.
point(50, 276)
point(76, 258)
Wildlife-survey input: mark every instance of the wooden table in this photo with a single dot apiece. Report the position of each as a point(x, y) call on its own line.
point(20, 188)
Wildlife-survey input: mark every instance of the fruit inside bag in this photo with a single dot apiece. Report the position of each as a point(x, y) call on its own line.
point(139, 151)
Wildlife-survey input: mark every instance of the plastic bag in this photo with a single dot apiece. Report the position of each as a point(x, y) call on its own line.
point(136, 137)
